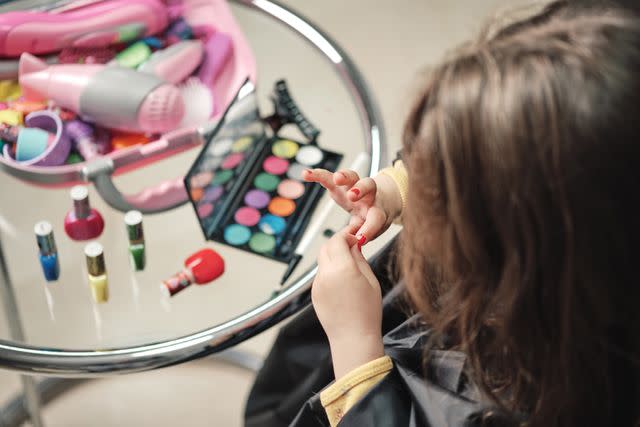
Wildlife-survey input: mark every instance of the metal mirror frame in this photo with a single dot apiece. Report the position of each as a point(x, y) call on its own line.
point(54, 362)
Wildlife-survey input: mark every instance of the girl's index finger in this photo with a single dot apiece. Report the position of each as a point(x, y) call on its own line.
point(346, 177)
point(353, 226)
point(321, 176)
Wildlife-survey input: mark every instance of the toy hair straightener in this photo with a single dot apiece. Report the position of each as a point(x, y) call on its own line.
point(93, 25)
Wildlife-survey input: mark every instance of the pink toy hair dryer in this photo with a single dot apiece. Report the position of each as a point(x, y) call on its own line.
point(97, 24)
point(113, 97)
point(169, 194)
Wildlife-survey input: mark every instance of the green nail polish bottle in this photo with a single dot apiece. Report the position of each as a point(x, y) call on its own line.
point(133, 221)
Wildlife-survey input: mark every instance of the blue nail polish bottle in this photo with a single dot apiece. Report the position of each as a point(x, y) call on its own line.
point(48, 253)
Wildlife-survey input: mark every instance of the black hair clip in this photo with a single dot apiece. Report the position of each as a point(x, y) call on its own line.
point(286, 111)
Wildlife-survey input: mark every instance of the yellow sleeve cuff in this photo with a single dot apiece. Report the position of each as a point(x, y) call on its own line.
point(398, 173)
point(340, 396)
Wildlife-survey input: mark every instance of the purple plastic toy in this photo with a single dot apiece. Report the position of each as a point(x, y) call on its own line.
point(58, 151)
point(86, 140)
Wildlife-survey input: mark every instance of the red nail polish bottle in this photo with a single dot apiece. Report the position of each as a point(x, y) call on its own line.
point(82, 222)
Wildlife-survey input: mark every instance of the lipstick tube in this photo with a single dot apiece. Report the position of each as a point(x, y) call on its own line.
point(176, 283)
point(94, 254)
point(133, 222)
point(200, 268)
point(48, 253)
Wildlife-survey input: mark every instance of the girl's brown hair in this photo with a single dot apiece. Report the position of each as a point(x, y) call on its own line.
point(521, 227)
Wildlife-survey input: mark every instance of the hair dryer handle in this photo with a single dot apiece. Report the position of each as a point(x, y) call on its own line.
point(161, 198)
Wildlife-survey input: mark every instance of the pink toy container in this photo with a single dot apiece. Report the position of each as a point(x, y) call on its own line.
point(169, 194)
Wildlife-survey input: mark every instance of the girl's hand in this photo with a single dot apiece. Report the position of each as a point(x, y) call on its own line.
point(372, 203)
point(348, 301)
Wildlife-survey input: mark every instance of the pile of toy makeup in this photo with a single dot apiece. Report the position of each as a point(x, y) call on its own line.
point(84, 102)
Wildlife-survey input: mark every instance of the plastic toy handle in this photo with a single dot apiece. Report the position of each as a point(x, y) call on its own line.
point(163, 197)
point(167, 194)
point(160, 198)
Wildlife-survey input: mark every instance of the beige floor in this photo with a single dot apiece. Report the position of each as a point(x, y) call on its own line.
point(390, 41)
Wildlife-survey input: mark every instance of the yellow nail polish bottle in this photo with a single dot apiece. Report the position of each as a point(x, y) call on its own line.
point(94, 254)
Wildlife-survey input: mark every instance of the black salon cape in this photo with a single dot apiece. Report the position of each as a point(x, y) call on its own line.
point(286, 390)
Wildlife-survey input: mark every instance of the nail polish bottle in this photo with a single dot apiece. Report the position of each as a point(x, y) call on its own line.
point(82, 222)
point(94, 254)
point(133, 221)
point(48, 252)
point(201, 268)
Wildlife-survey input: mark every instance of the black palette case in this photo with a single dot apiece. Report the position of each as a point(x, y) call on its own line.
point(246, 184)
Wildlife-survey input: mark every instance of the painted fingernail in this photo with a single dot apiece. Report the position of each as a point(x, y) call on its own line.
point(361, 241)
point(355, 191)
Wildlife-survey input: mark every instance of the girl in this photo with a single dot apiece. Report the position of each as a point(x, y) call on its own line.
point(517, 191)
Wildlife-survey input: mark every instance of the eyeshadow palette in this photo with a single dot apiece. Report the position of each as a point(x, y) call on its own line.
point(247, 188)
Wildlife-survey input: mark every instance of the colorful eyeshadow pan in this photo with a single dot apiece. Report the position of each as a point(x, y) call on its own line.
point(201, 180)
point(285, 149)
point(247, 216)
point(221, 147)
point(211, 163)
point(309, 155)
point(262, 243)
point(241, 144)
point(290, 189)
point(212, 194)
point(266, 181)
point(280, 206)
point(236, 234)
point(248, 192)
point(275, 165)
point(221, 177)
point(257, 199)
point(196, 194)
point(232, 160)
point(295, 171)
point(272, 224)
point(205, 210)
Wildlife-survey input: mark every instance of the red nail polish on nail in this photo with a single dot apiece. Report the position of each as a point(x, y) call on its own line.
point(361, 242)
point(355, 191)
